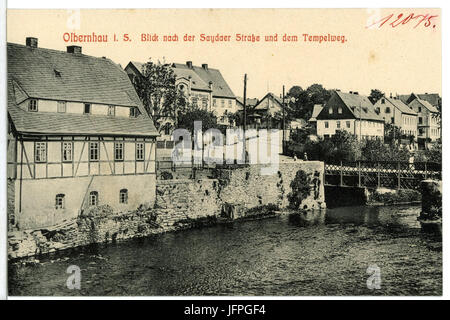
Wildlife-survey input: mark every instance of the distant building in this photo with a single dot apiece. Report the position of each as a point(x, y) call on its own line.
point(253, 120)
point(270, 109)
point(394, 111)
point(78, 137)
point(432, 98)
point(313, 120)
point(205, 87)
point(428, 122)
point(351, 112)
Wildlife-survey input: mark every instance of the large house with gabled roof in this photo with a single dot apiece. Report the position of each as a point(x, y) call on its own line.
point(205, 87)
point(78, 137)
point(395, 112)
point(351, 112)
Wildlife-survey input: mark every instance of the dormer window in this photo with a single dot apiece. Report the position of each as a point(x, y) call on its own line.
point(330, 110)
point(57, 73)
point(61, 106)
point(87, 108)
point(33, 105)
point(134, 112)
point(111, 111)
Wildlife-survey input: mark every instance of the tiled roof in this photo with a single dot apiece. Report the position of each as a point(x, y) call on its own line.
point(220, 87)
point(432, 98)
point(82, 78)
point(31, 74)
point(316, 110)
point(427, 105)
point(251, 102)
point(360, 106)
point(401, 106)
point(262, 106)
point(196, 82)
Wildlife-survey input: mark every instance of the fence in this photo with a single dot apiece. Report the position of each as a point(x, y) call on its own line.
point(397, 175)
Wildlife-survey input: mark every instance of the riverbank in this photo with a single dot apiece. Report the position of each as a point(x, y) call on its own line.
point(324, 252)
point(240, 193)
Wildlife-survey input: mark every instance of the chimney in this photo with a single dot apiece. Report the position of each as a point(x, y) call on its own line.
point(189, 64)
point(390, 95)
point(31, 42)
point(205, 66)
point(355, 92)
point(351, 92)
point(74, 49)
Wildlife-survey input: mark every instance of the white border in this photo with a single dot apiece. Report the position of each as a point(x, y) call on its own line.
point(42, 4)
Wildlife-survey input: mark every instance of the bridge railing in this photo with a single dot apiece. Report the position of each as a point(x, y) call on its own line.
point(376, 174)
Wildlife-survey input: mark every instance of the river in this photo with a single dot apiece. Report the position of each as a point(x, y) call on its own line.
point(325, 253)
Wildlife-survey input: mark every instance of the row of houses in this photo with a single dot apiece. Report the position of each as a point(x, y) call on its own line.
point(417, 119)
point(79, 136)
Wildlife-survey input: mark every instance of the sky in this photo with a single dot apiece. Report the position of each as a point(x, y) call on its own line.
point(399, 60)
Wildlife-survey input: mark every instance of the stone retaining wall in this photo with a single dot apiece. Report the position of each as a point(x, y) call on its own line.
point(179, 204)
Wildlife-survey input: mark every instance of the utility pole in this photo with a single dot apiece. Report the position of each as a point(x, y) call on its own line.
point(245, 117)
point(360, 121)
point(284, 122)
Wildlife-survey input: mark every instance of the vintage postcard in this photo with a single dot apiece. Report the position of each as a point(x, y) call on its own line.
point(224, 152)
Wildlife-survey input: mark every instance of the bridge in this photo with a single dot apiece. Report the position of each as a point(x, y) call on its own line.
point(381, 174)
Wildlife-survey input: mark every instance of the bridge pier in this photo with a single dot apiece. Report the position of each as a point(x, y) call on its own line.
point(341, 196)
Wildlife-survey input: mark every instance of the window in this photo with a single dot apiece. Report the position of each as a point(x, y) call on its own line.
point(33, 105)
point(214, 102)
point(61, 106)
point(338, 124)
point(118, 151)
point(330, 110)
point(340, 110)
point(222, 103)
point(420, 120)
point(326, 124)
point(195, 101)
point(93, 151)
point(347, 123)
point(205, 102)
point(67, 151)
point(388, 110)
point(93, 198)
point(140, 151)
point(420, 109)
point(111, 111)
point(59, 201)
point(229, 103)
point(40, 152)
point(383, 101)
point(87, 108)
point(123, 196)
point(134, 112)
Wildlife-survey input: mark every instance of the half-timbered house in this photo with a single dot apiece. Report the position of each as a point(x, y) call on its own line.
point(78, 136)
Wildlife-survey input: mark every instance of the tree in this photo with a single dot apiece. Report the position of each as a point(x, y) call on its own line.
point(187, 117)
point(375, 95)
point(392, 133)
point(158, 93)
point(344, 147)
point(301, 102)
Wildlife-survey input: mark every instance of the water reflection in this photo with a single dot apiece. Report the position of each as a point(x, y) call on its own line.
point(315, 253)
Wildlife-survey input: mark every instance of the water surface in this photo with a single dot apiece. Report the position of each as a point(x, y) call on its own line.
point(324, 253)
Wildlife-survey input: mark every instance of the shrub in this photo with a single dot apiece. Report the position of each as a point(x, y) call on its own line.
point(300, 186)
